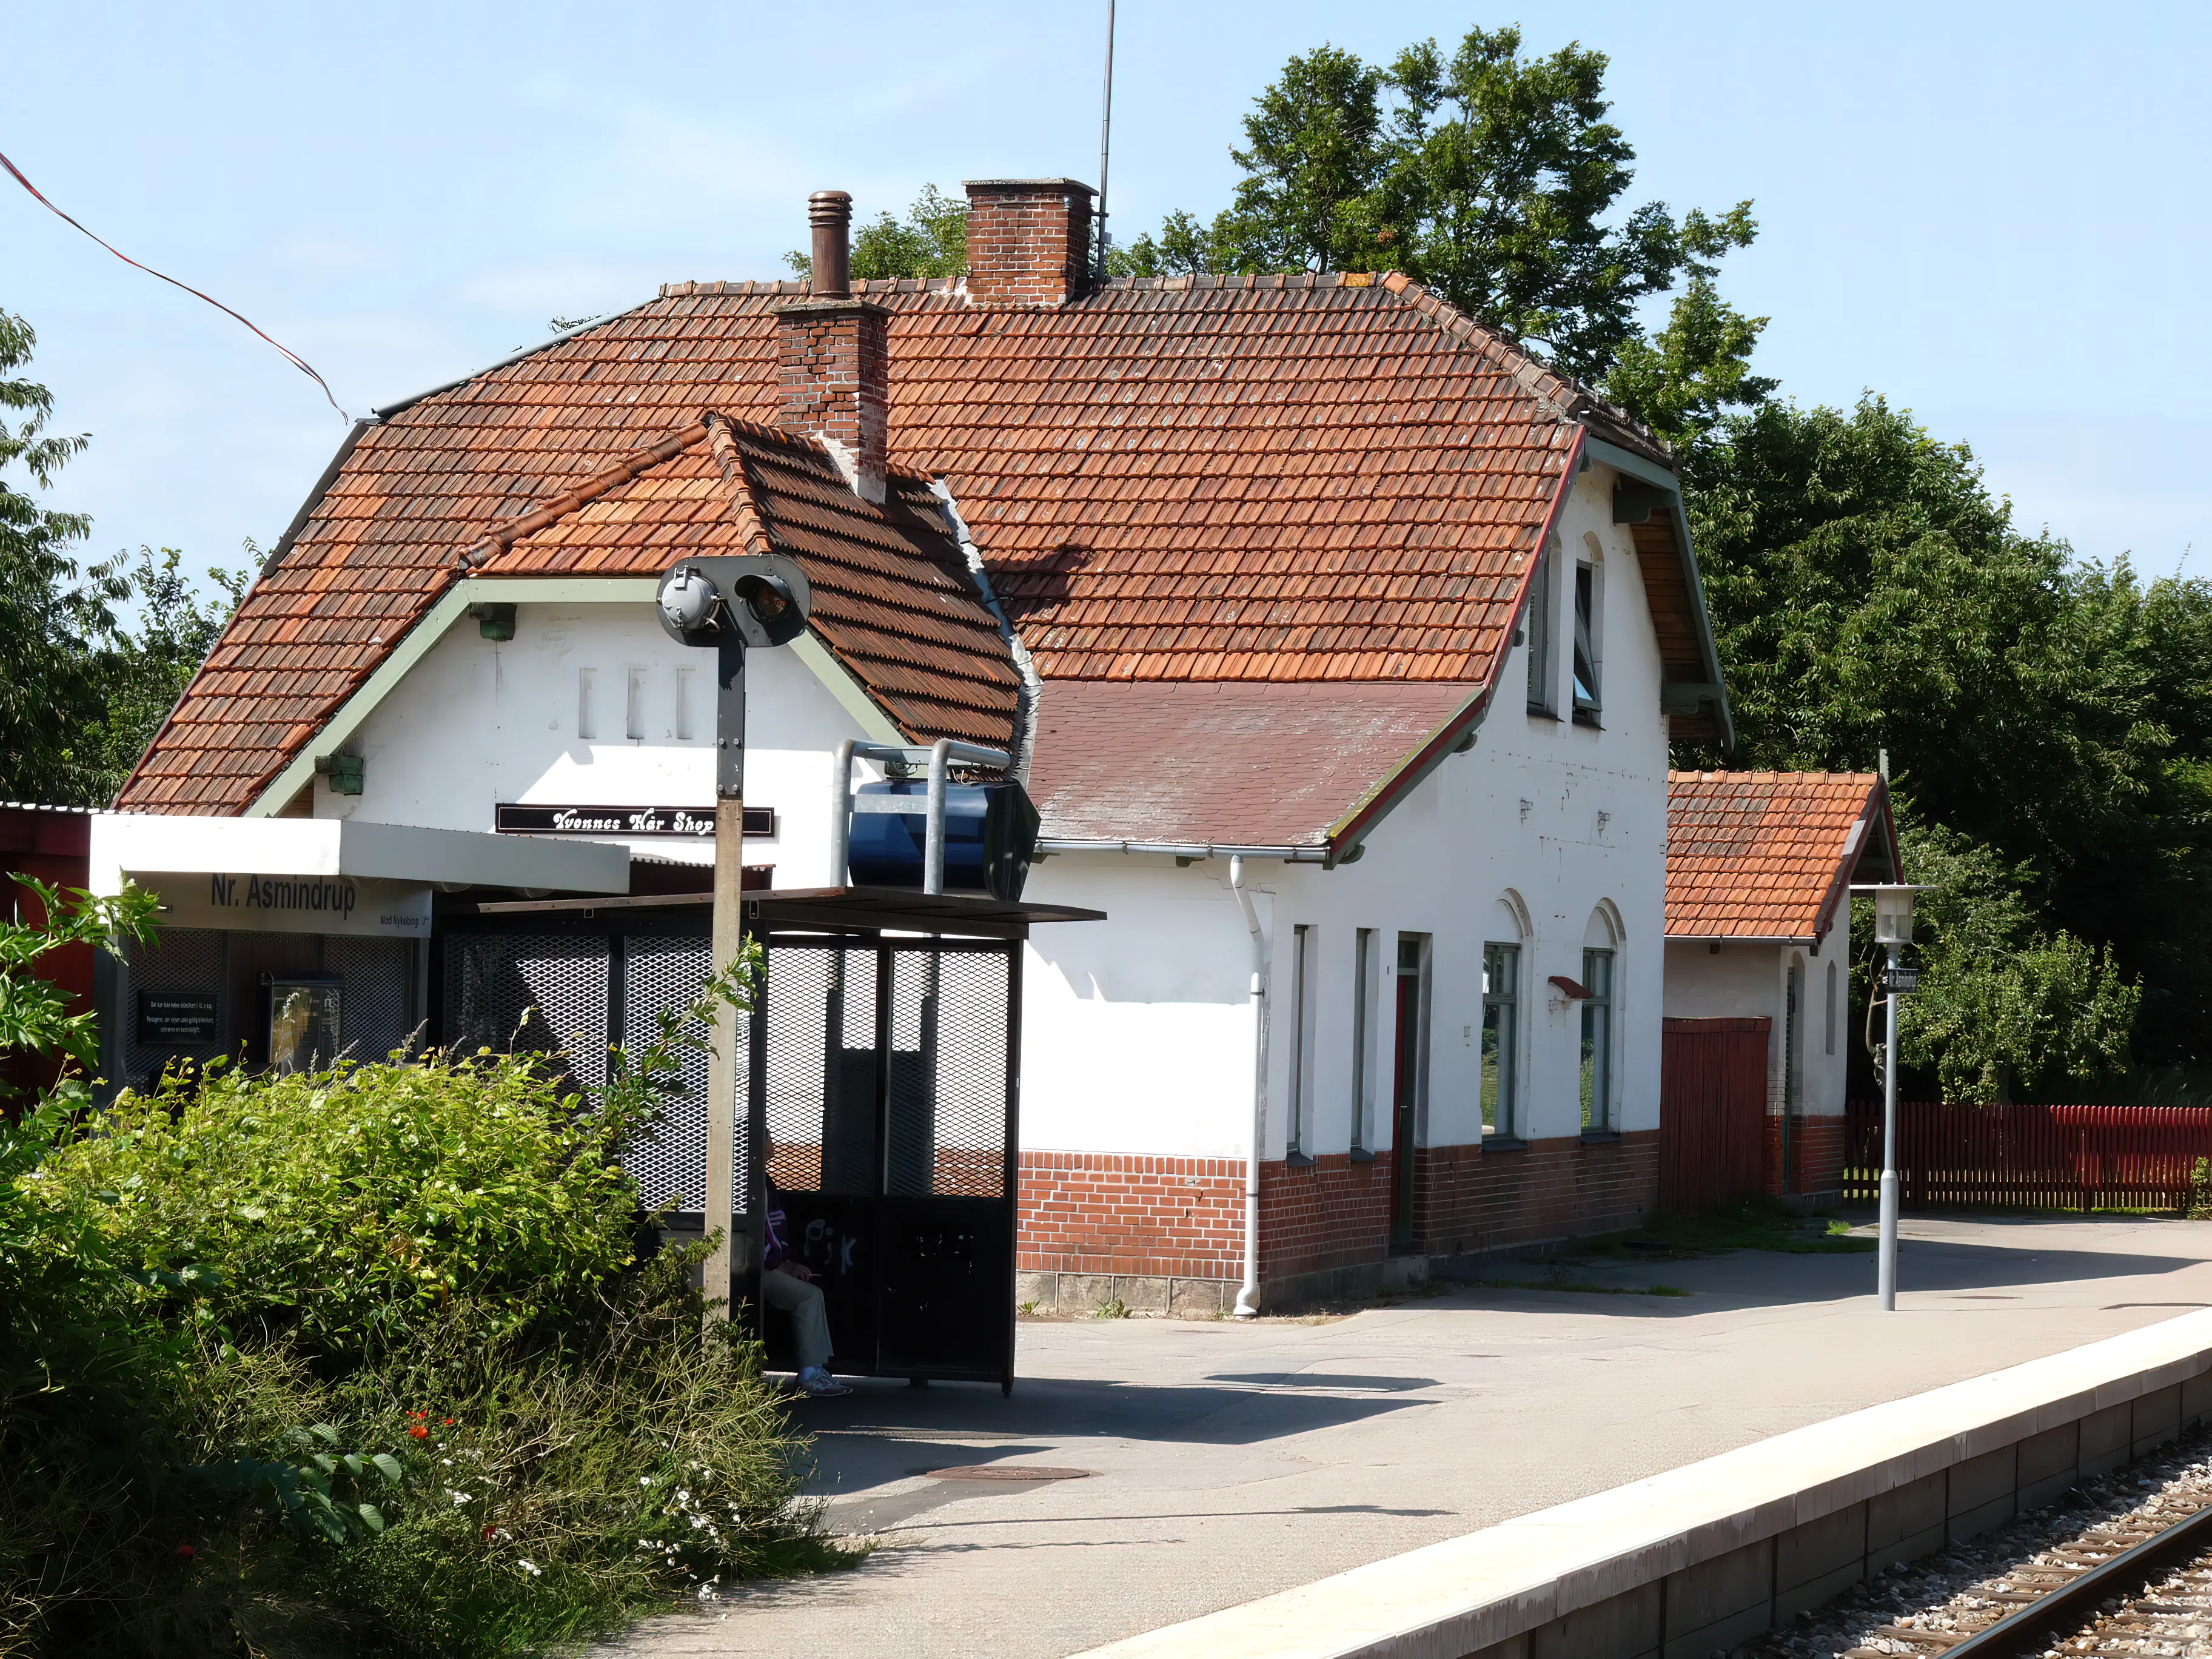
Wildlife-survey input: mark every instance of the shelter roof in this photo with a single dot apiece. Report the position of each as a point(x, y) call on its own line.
point(1768, 855)
point(1273, 480)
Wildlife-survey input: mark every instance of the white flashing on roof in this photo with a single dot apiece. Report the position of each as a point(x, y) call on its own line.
point(851, 694)
point(452, 607)
point(162, 843)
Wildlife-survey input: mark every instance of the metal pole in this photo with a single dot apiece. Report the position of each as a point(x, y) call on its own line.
point(720, 1202)
point(933, 855)
point(1886, 1261)
point(841, 813)
point(1105, 136)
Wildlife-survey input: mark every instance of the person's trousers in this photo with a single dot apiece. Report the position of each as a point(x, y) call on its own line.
point(809, 1319)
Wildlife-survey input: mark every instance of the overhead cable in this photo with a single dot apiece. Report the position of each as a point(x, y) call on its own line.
point(290, 356)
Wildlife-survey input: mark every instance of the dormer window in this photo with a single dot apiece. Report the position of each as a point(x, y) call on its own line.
point(1586, 644)
point(1539, 631)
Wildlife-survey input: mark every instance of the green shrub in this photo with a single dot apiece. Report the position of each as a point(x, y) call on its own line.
point(374, 1361)
point(343, 1209)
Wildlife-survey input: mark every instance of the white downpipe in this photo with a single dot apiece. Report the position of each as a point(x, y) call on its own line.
point(1248, 1296)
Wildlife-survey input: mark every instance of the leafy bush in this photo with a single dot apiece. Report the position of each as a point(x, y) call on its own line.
point(378, 1360)
point(344, 1208)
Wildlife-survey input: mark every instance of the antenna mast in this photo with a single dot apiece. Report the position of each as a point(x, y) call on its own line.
point(1105, 138)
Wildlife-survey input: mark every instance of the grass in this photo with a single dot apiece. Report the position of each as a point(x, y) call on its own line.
point(1754, 1224)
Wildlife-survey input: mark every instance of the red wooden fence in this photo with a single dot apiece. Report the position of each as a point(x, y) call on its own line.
point(2035, 1157)
point(1712, 1111)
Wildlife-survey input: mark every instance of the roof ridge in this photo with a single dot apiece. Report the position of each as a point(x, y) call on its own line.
point(744, 511)
point(1568, 398)
point(764, 433)
point(505, 533)
point(385, 411)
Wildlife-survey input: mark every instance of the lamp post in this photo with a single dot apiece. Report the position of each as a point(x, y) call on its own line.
point(729, 604)
point(1892, 927)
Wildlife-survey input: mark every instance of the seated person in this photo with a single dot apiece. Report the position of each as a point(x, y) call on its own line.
point(787, 1283)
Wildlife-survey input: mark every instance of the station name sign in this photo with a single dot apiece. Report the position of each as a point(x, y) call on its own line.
point(259, 903)
point(682, 823)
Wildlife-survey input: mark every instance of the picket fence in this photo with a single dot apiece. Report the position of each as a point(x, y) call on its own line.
point(2035, 1157)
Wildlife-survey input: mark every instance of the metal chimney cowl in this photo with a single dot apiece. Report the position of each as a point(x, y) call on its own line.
point(829, 212)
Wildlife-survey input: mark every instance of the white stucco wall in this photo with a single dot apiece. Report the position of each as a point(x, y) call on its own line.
point(1751, 980)
point(1556, 817)
point(478, 723)
point(1137, 1032)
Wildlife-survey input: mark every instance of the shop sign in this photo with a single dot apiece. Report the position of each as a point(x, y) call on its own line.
point(685, 823)
point(180, 1018)
point(256, 902)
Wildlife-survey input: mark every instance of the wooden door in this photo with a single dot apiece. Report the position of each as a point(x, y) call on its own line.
point(1712, 1111)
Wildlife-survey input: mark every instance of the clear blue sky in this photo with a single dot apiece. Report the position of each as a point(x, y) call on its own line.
point(1995, 215)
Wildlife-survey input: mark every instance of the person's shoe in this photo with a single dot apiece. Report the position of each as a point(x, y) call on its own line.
point(817, 1381)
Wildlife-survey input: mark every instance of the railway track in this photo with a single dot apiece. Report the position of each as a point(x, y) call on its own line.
point(2122, 1570)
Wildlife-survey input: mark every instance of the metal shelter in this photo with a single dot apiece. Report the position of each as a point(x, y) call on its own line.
point(884, 1068)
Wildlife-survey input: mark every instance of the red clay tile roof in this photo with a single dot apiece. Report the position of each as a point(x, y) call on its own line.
point(1768, 854)
point(1230, 763)
point(1276, 479)
point(887, 602)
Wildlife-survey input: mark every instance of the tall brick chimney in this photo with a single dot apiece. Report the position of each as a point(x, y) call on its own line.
point(832, 358)
point(1028, 240)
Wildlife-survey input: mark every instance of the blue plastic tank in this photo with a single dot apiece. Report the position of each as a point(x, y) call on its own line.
point(990, 836)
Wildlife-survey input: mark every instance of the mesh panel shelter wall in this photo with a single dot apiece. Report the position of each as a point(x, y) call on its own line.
point(183, 959)
point(670, 1165)
point(880, 1067)
point(379, 1011)
point(541, 992)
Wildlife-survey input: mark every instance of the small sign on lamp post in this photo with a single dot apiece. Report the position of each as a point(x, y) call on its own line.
point(1892, 927)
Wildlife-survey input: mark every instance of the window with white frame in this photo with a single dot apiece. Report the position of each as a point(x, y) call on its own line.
point(1362, 1026)
point(1301, 1114)
point(1501, 1027)
point(1586, 701)
point(1542, 693)
point(1828, 1022)
point(1597, 1040)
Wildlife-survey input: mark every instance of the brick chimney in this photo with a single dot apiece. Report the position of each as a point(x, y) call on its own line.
point(832, 359)
point(1028, 240)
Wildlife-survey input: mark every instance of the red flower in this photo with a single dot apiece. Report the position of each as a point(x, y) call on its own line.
point(419, 1432)
point(447, 1423)
point(186, 1551)
point(489, 1533)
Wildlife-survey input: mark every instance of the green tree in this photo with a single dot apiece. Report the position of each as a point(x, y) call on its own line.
point(2005, 1006)
point(1868, 593)
point(54, 616)
point(83, 692)
point(1503, 189)
point(1496, 179)
point(1313, 154)
point(145, 669)
point(932, 240)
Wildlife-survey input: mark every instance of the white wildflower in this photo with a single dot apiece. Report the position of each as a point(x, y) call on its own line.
point(459, 1497)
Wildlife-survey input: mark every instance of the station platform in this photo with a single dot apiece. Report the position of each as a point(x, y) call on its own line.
point(1225, 1462)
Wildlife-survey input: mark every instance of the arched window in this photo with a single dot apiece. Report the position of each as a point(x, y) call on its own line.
point(1601, 978)
point(1500, 1083)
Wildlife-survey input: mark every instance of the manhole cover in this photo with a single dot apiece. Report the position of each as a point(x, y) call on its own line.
point(1006, 1472)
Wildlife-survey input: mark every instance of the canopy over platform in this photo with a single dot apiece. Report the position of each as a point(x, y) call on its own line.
point(834, 909)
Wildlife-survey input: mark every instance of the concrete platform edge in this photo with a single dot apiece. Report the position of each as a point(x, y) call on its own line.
point(1825, 1504)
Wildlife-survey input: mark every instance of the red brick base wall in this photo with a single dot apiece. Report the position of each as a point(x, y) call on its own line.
point(1819, 1154)
point(1330, 1213)
point(1117, 1212)
point(1102, 1212)
point(1472, 1200)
